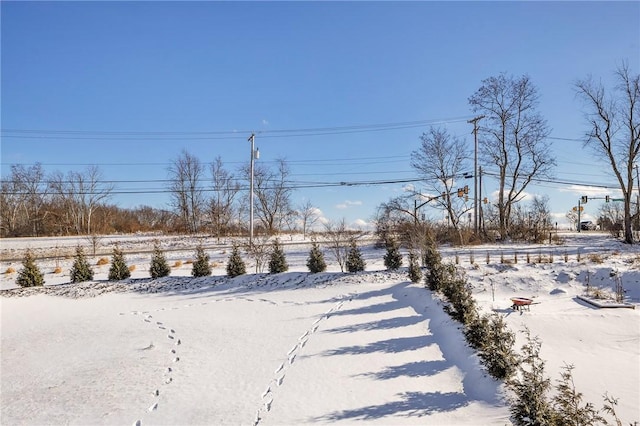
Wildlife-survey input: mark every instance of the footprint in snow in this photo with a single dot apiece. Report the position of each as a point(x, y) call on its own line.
point(176, 359)
point(291, 359)
point(304, 342)
point(170, 336)
point(173, 351)
point(280, 380)
point(172, 330)
point(266, 392)
point(267, 405)
point(169, 370)
point(169, 380)
point(162, 327)
point(292, 350)
point(146, 320)
point(137, 423)
point(280, 367)
point(146, 348)
point(153, 407)
point(158, 322)
point(156, 393)
point(178, 342)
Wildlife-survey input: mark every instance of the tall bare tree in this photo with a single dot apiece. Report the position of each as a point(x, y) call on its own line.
point(614, 129)
point(273, 194)
point(79, 195)
point(221, 205)
point(308, 215)
point(186, 187)
point(512, 136)
point(440, 160)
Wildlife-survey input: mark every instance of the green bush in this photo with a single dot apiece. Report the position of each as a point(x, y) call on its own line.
point(415, 273)
point(29, 275)
point(159, 266)
point(315, 262)
point(530, 386)
point(201, 267)
point(81, 270)
point(236, 265)
point(393, 258)
point(119, 269)
point(277, 260)
point(354, 262)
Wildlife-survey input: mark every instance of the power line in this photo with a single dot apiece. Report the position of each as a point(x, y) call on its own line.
point(218, 135)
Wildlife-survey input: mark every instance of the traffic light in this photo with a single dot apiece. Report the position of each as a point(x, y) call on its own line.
point(486, 200)
point(460, 192)
point(466, 189)
point(584, 199)
point(606, 198)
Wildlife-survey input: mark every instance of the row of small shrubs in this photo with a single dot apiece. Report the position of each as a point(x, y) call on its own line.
point(531, 402)
point(30, 275)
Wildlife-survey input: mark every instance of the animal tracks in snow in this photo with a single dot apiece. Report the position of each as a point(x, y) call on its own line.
point(269, 395)
point(167, 374)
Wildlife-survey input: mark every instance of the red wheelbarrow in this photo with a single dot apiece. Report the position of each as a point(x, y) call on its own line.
point(520, 303)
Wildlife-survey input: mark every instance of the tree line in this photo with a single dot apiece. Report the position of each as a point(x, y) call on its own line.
point(203, 198)
point(513, 142)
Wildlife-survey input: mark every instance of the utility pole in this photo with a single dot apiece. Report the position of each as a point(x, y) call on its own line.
point(481, 219)
point(252, 140)
point(475, 171)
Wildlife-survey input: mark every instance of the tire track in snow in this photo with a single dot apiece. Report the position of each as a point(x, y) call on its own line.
point(268, 396)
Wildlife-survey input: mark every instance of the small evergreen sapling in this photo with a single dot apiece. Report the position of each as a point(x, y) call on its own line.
point(277, 261)
point(81, 270)
point(531, 387)
point(236, 265)
point(415, 273)
point(159, 267)
point(393, 258)
point(354, 263)
point(201, 267)
point(119, 269)
point(29, 275)
point(316, 262)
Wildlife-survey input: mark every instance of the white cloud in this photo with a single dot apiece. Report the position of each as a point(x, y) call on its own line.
point(348, 204)
point(590, 191)
point(265, 122)
point(361, 224)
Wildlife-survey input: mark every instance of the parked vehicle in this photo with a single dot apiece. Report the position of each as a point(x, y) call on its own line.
point(587, 225)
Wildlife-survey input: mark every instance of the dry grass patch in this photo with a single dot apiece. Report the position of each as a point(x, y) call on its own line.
point(132, 268)
point(215, 264)
point(58, 270)
point(177, 264)
point(595, 258)
point(188, 262)
point(9, 270)
point(102, 261)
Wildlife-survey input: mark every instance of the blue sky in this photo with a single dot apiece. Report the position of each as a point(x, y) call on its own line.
point(185, 67)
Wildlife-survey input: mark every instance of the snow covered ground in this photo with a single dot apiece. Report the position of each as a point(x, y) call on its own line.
point(297, 348)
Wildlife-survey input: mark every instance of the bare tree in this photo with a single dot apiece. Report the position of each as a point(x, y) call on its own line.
point(31, 184)
point(512, 136)
point(308, 215)
point(10, 203)
point(611, 214)
point(614, 129)
point(221, 204)
point(337, 240)
point(441, 159)
point(185, 174)
point(79, 195)
point(273, 194)
point(93, 194)
point(572, 217)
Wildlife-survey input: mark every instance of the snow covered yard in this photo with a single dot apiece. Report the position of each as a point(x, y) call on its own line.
point(296, 348)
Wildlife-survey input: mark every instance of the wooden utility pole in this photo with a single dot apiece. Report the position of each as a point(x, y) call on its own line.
point(476, 198)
